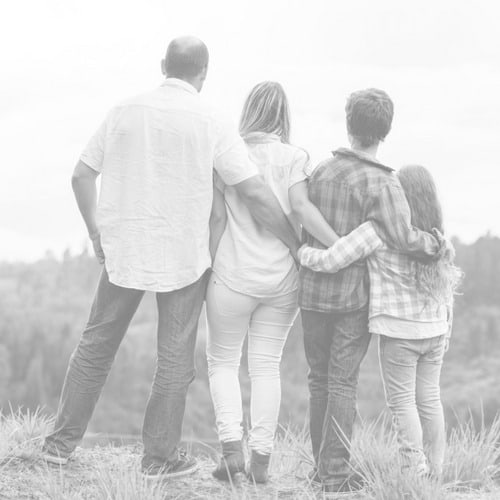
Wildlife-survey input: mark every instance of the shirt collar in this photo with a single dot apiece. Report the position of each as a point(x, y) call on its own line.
point(176, 82)
point(260, 137)
point(361, 156)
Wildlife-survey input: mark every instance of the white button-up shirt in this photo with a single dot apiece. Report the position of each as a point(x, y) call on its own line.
point(156, 153)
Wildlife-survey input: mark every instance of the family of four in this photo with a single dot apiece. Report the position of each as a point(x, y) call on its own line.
point(194, 210)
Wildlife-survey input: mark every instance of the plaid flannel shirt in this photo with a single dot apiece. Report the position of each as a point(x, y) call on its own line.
point(349, 189)
point(393, 288)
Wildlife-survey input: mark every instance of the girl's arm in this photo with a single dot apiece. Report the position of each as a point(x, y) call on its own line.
point(357, 245)
point(218, 219)
point(309, 216)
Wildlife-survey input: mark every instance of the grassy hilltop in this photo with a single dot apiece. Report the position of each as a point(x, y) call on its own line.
point(472, 469)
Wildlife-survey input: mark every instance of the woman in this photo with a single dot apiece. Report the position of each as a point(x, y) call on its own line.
point(411, 311)
point(253, 288)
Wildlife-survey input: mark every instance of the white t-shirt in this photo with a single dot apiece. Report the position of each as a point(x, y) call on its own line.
point(156, 153)
point(250, 259)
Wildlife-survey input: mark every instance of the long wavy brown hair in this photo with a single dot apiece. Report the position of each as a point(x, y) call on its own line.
point(438, 279)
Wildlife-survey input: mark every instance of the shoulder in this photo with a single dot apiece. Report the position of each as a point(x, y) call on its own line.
point(321, 167)
point(222, 123)
point(367, 176)
point(300, 154)
point(143, 98)
point(388, 181)
point(293, 154)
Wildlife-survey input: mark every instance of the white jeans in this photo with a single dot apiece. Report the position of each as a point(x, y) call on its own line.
point(231, 315)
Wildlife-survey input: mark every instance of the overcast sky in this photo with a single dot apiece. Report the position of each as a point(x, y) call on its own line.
point(65, 63)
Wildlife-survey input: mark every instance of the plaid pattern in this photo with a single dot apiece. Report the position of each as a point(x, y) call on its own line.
point(350, 189)
point(393, 289)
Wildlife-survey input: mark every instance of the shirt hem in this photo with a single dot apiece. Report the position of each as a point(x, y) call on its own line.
point(84, 159)
point(331, 309)
point(250, 293)
point(154, 288)
point(402, 337)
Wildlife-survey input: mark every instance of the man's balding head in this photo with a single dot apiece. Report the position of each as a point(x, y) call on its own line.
point(186, 59)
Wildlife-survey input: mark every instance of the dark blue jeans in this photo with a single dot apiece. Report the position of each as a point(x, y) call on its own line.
point(110, 316)
point(335, 345)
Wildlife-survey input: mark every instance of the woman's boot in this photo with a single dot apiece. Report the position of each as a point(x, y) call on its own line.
point(232, 461)
point(259, 465)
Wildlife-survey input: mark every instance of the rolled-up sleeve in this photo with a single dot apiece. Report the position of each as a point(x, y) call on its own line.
point(93, 154)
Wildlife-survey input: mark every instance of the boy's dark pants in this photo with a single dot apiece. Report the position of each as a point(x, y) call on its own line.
point(335, 345)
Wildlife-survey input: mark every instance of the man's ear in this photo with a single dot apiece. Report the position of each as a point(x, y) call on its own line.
point(163, 67)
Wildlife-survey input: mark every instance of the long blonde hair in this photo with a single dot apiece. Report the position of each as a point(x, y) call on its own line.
point(266, 109)
point(438, 279)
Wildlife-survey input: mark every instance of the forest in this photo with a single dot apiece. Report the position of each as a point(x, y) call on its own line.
point(44, 306)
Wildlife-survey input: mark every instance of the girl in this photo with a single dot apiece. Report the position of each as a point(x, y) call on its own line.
point(253, 288)
point(411, 311)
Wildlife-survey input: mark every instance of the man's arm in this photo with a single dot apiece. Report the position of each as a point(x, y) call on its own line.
point(267, 211)
point(218, 219)
point(391, 216)
point(85, 189)
point(309, 215)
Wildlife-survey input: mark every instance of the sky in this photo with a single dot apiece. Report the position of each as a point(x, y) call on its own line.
point(65, 63)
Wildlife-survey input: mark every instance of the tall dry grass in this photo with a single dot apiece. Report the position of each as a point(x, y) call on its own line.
point(472, 468)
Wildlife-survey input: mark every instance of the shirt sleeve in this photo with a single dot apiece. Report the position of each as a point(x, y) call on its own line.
point(300, 165)
point(231, 160)
point(93, 154)
point(358, 244)
point(391, 216)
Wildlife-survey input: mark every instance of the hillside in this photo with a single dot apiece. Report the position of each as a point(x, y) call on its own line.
point(472, 469)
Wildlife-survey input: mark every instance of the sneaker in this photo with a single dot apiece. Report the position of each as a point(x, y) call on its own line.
point(53, 459)
point(183, 466)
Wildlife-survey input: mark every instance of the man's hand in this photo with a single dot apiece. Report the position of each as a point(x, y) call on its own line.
point(84, 187)
point(96, 243)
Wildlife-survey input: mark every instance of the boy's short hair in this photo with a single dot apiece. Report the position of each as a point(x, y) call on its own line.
point(369, 115)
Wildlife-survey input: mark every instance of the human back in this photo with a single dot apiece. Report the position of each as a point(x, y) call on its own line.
point(249, 258)
point(159, 159)
point(345, 188)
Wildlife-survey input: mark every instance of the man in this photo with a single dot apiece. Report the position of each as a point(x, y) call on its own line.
point(349, 189)
point(156, 154)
